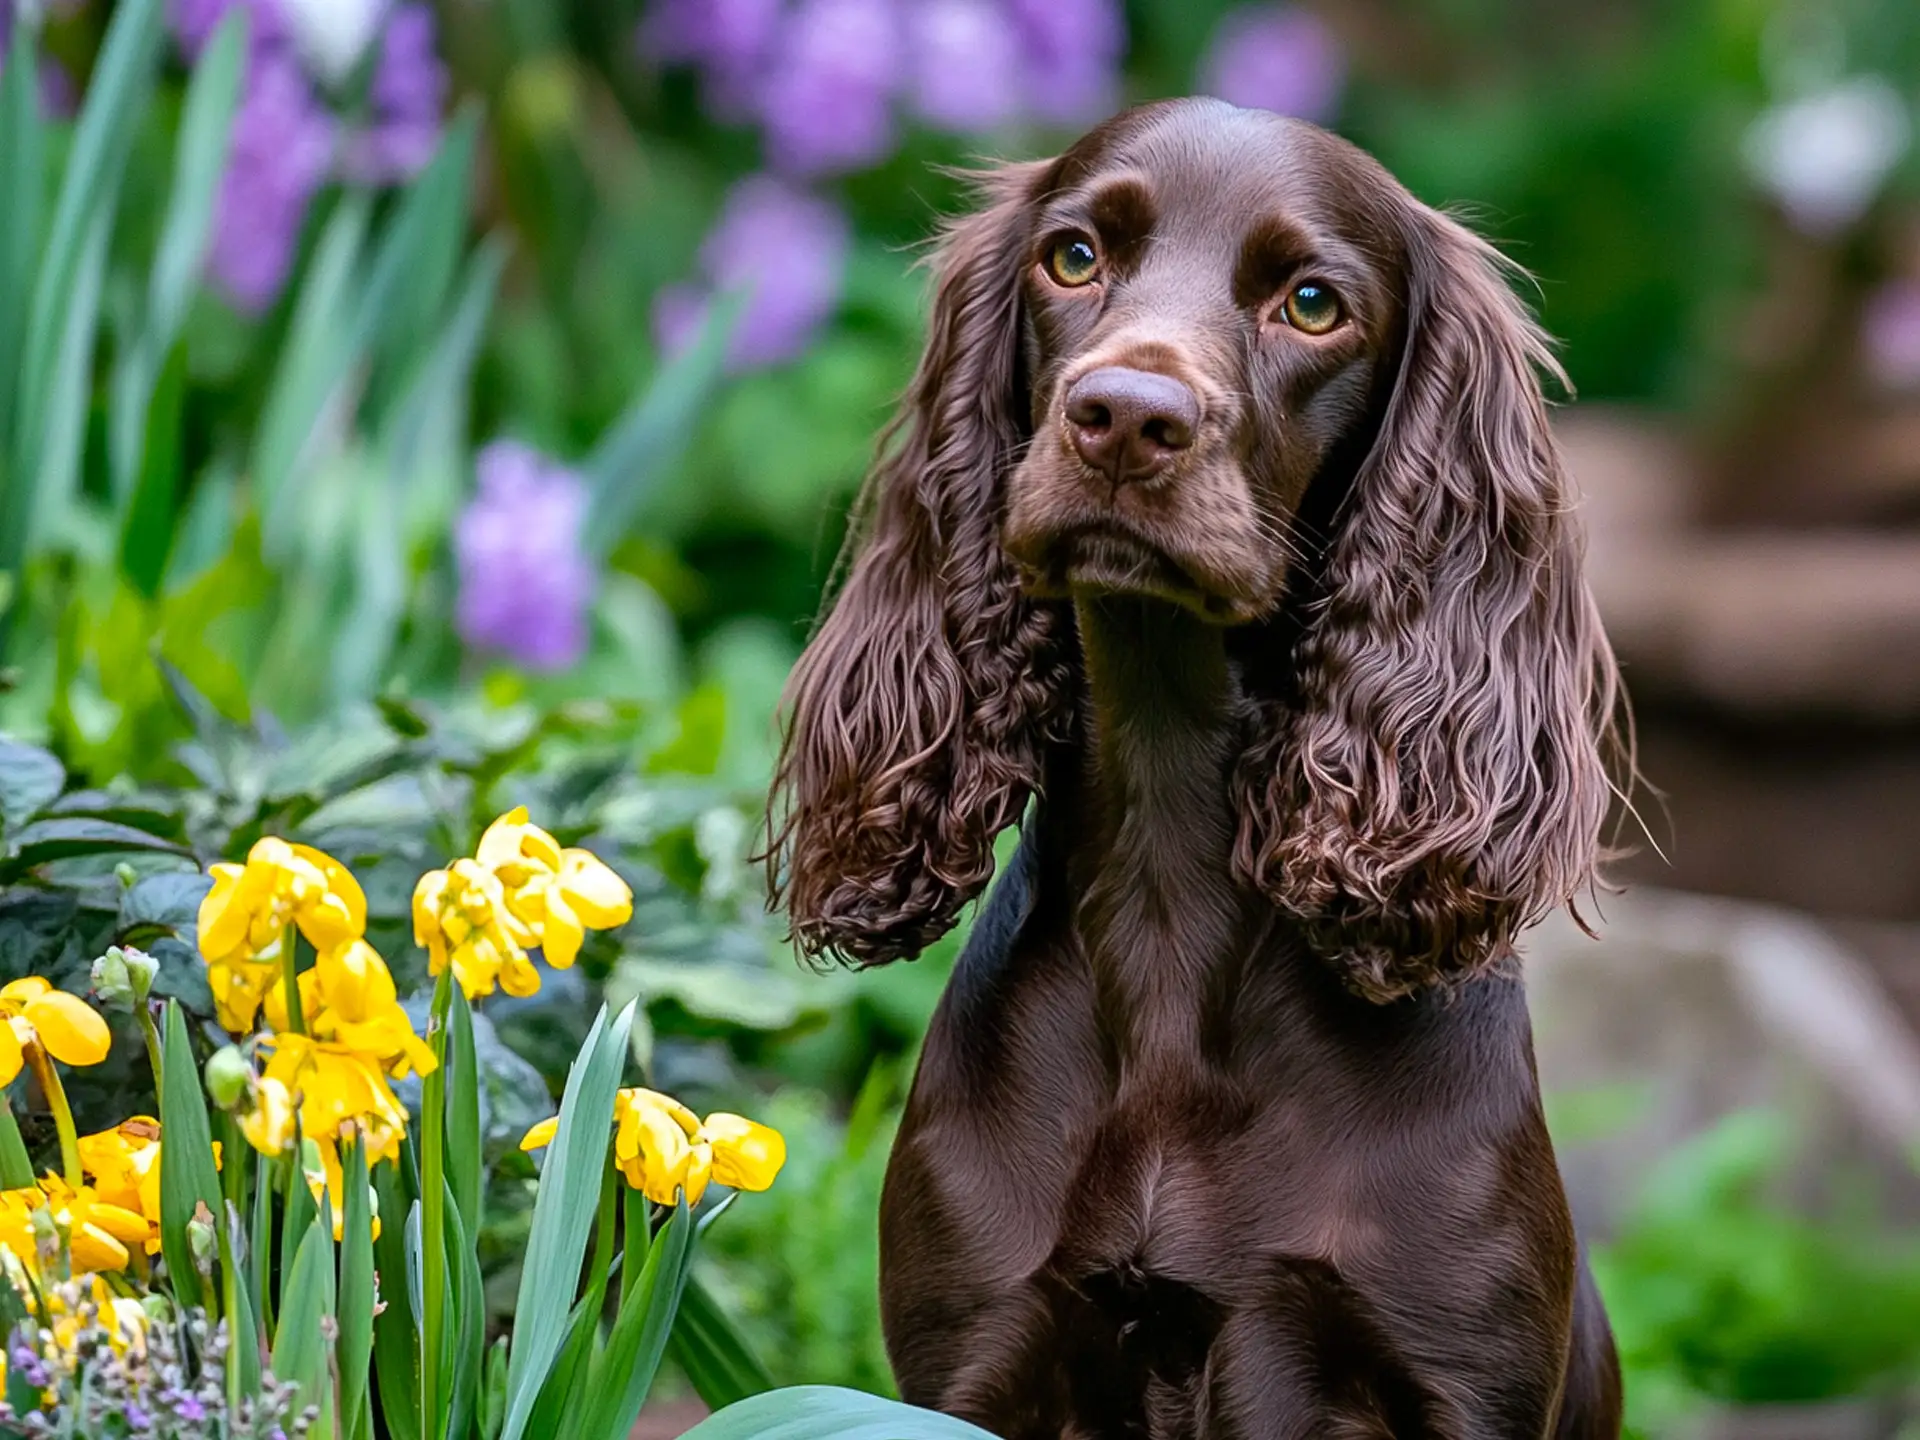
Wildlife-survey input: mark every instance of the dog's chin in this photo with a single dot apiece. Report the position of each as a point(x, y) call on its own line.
point(1105, 559)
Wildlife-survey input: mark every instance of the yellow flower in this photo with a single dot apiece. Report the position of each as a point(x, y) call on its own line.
point(63, 1025)
point(70, 1303)
point(559, 894)
point(746, 1154)
point(349, 999)
point(240, 984)
point(268, 1126)
point(461, 918)
point(98, 1233)
point(335, 1086)
point(320, 1163)
point(663, 1149)
point(125, 1165)
point(251, 905)
point(17, 1236)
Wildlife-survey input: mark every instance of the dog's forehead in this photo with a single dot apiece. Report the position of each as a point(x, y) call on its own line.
point(1206, 162)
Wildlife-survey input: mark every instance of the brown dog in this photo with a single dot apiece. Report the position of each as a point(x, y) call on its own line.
point(1224, 519)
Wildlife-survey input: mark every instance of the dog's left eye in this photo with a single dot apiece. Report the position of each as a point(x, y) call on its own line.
point(1314, 308)
point(1073, 262)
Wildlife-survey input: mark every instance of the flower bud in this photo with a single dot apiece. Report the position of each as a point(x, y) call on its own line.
point(228, 1077)
point(201, 1239)
point(125, 874)
point(112, 980)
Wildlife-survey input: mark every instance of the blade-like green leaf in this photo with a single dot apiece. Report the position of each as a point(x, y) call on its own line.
point(563, 1214)
point(60, 420)
point(439, 383)
point(316, 354)
point(469, 1311)
point(297, 1209)
point(60, 326)
point(300, 1344)
point(624, 1371)
point(463, 1113)
point(715, 1357)
point(354, 1350)
point(146, 534)
point(16, 1169)
point(23, 162)
point(825, 1412)
point(199, 157)
point(643, 445)
point(493, 1407)
point(236, 1305)
point(396, 1334)
point(561, 1404)
point(187, 1176)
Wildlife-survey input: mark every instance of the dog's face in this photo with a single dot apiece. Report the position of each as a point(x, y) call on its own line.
point(1208, 309)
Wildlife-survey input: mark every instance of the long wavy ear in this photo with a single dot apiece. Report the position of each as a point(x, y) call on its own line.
point(1436, 780)
point(921, 710)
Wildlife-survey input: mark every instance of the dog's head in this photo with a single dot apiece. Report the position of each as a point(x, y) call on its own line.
point(1224, 359)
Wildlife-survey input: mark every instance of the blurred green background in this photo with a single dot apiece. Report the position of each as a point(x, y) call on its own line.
point(408, 408)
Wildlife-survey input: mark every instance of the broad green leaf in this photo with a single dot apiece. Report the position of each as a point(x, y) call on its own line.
point(23, 162)
point(563, 1214)
point(354, 1348)
point(65, 836)
point(624, 1371)
point(187, 1175)
point(16, 1169)
point(30, 780)
point(206, 122)
point(825, 1412)
point(300, 1344)
point(711, 1351)
point(641, 448)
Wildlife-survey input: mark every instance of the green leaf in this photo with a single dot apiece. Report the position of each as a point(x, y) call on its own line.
point(30, 780)
point(463, 1112)
point(563, 1214)
point(641, 448)
point(206, 123)
point(61, 415)
point(61, 320)
point(297, 1210)
point(243, 1363)
point(562, 1399)
point(396, 1334)
point(470, 1317)
point(300, 1343)
point(23, 162)
point(16, 1169)
point(825, 1412)
point(64, 837)
point(354, 1354)
point(493, 1407)
point(624, 1371)
point(715, 1356)
point(146, 536)
point(187, 1175)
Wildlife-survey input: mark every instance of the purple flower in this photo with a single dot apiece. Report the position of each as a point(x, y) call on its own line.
point(1276, 58)
point(184, 1404)
point(525, 584)
point(136, 1418)
point(194, 22)
point(1072, 50)
point(728, 39)
point(1890, 334)
point(409, 93)
point(282, 151)
point(826, 103)
point(788, 249)
point(964, 61)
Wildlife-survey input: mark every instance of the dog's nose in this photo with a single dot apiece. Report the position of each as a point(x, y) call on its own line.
point(1128, 424)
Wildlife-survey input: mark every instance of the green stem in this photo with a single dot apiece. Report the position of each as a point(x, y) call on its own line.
point(152, 1037)
point(56, 1094)
point(433, 1220)
point(290, 978)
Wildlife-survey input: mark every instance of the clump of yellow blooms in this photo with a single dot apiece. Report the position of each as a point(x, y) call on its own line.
point(663, 1149)
point(520, 889)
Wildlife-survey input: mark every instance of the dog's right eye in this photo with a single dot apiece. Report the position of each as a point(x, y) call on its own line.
point(1073, 262)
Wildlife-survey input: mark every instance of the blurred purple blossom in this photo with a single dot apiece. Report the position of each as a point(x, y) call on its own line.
point(964, 58)
point(826, 101)
point(787, 249)
point(409, 95)
point(525, 583)
point(1073, 50)
point(59, 96)
point(282, 152)
point(1275, 58)
point(729, 39)
point(1890, 334)
point(194, 22)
